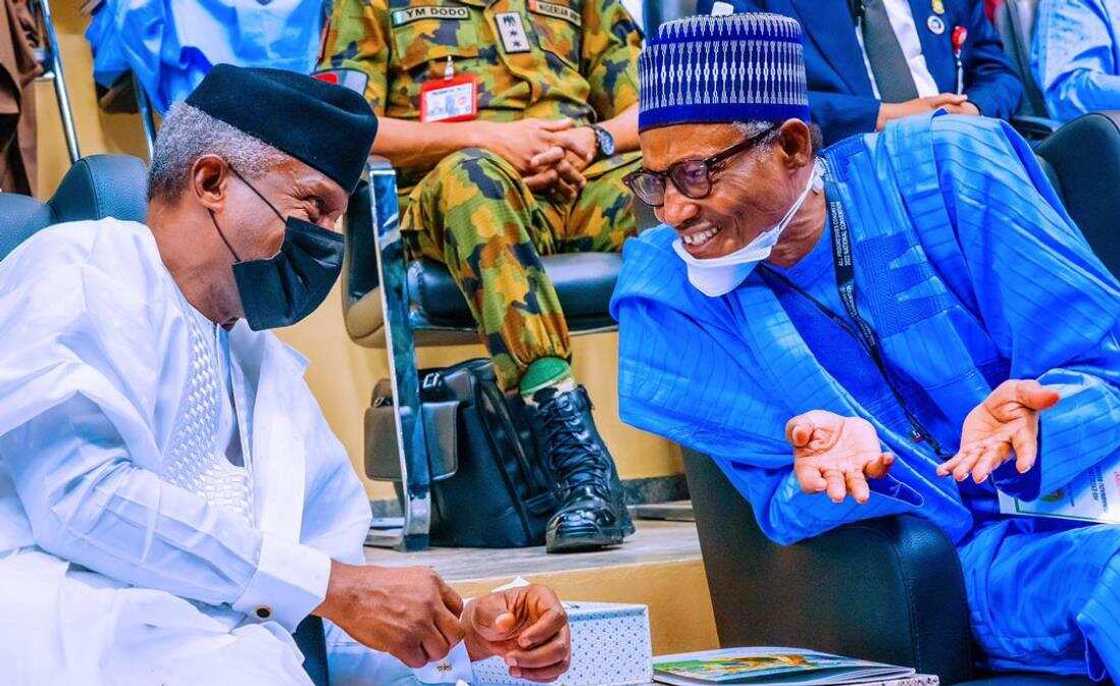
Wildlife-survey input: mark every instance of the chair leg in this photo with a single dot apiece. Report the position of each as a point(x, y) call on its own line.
point(392, 268)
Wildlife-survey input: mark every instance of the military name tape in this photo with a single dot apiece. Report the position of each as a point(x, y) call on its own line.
point(401, 17)
point(552, 9)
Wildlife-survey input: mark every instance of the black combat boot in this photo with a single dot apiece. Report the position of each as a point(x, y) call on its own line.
point(592, 512)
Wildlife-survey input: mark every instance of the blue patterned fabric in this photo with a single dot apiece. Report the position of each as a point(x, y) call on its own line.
point(971, 273)
point(171, 44)
point(1076, 56)
point(743, 67)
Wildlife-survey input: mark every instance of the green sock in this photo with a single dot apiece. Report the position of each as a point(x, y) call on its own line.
point(547, 371)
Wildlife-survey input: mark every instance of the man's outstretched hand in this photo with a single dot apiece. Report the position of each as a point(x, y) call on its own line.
point(1005, 424)
point(836, 455)
point(526, 626)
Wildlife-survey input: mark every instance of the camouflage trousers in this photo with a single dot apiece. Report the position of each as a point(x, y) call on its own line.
point(474, 213)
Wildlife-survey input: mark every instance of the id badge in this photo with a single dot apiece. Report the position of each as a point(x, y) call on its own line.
point(454, 99)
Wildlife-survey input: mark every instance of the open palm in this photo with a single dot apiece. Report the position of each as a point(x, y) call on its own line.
point(1005, 424)
point(836, 455)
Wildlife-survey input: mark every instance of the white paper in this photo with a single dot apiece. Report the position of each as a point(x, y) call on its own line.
point(1091, 497)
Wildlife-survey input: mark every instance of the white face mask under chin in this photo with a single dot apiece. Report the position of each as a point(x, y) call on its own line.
point(720, 275)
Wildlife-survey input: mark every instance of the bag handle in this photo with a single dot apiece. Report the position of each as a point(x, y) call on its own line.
point(494, 398)
point(495, 417)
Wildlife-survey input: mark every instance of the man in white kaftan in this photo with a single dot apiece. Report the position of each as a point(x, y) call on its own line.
point(172, 502)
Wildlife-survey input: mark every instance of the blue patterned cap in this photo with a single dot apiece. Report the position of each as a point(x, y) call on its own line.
point(738, 67)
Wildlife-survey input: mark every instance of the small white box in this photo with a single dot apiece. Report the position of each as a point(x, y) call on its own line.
point(610, 647)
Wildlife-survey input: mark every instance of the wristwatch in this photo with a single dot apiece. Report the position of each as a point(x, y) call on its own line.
point(604, 142)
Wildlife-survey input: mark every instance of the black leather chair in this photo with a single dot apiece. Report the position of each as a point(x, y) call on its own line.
point(1083, 161)
point(394, 304)
point(889, 589)
point(97, 187)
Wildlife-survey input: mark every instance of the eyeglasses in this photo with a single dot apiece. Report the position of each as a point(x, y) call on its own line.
point(693, 178)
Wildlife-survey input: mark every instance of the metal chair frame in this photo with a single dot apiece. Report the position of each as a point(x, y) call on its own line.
point(377, 224)
point(55, 74)
point(147, 116)
point(392, 275)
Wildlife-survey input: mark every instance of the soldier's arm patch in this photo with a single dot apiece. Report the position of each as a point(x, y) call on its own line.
point(353, 79)
point(553, 9)
point(511, 28)
point(411, 14)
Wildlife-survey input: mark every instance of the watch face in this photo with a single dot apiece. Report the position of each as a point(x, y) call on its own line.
point(606, 141)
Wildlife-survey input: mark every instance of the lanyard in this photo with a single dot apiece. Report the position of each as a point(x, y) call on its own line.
point(862, 332)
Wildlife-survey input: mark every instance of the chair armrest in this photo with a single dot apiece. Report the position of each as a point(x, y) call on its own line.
point(1113, 115)
point(889, 590)
point(1034, 128)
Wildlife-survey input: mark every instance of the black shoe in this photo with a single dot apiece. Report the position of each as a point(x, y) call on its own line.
point(592, 512)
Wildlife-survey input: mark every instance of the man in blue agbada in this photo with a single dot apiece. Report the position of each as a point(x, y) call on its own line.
point(907, 321)
point(1075, 55)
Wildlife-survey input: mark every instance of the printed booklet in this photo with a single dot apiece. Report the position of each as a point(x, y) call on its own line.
point(1091, 497)
point(780, 667)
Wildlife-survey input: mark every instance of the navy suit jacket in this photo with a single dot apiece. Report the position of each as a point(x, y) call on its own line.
point(840, 95)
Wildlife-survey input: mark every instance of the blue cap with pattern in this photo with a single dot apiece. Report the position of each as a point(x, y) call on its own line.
point(739, 67)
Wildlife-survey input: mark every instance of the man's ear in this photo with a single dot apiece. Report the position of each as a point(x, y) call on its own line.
point(796, 143)
point(209, 181)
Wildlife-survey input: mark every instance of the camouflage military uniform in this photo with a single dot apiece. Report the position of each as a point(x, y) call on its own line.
point(473, 211)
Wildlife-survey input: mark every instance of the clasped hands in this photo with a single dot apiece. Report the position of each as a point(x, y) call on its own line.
point(549, 154)
point(953, 103)
point(837, 455)
point(413, 615)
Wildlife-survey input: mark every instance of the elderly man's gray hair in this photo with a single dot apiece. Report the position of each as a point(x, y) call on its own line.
point(753, 128)
point(187, 134)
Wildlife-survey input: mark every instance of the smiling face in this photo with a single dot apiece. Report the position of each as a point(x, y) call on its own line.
point(293, 188)
point(253, 230)
point(750, 192)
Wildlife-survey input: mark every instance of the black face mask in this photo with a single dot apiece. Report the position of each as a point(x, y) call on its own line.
point(285, 288)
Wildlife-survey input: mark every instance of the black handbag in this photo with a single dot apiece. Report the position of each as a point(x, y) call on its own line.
point(490, 485)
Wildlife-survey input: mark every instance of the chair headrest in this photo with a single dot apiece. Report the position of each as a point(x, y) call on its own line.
point(20, 216)
point(96, 187)
point(101, 186)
